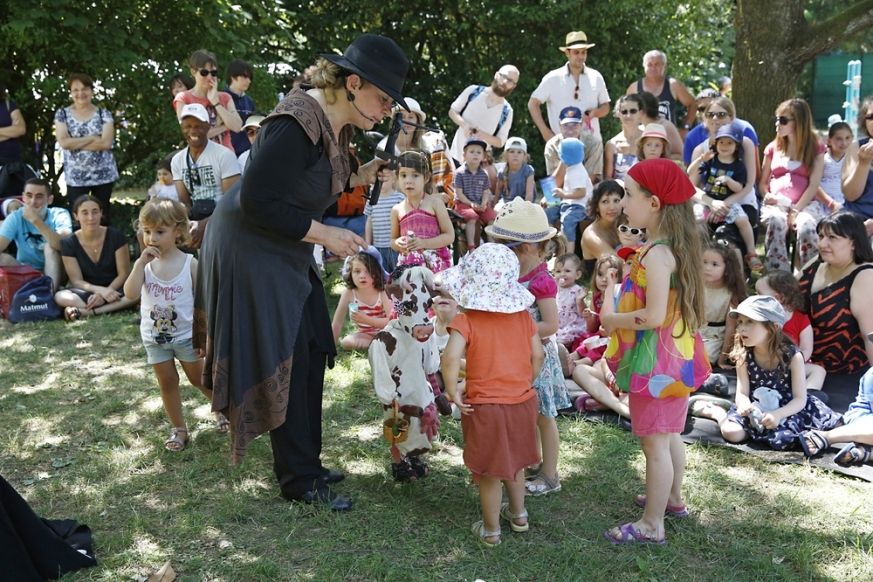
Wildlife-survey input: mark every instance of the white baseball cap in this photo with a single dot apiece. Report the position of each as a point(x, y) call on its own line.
point(515, 143)
point(195, 110)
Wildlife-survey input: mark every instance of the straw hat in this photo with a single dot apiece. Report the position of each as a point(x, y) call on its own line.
point(523, 221)
point(576, 39)
point(486, 279)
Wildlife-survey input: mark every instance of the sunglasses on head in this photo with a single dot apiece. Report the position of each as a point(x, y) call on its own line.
point(629, 111)
point(716, 114)
point(624, 229)
point(782, 120)
point(207, 72)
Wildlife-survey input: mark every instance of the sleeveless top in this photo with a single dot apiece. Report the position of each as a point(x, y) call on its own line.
point(621, 164)
point(864, 204)
point(666, 101)
point(375, 310)
point(665, 362)
point(425, 225)
point(571, 324)
point(513, 184)
point(839, 344)
point(167, 307)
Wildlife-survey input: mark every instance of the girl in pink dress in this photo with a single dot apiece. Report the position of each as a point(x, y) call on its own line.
point(421, 230)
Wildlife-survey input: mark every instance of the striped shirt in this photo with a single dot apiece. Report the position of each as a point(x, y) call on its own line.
point(380, 217)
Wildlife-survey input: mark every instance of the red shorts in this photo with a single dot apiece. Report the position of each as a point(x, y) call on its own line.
point(485, 216)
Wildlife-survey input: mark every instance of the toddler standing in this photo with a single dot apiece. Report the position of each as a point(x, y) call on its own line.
point(503, 354)
point(524, 228)
point(163, 277)
point(473, 190)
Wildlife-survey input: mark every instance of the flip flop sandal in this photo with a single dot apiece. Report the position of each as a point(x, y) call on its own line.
point(72, 314)
point(511, 517)
point(678, 511)
point(814, 443)
point(754, 262)
point(177, 444)
point(853, 454)
point(542, 485)
point(627, 534)
point(478, 528)
point(222, 424)
point(587, 403)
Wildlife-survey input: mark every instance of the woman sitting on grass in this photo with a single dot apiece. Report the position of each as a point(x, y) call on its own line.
point(97, 261)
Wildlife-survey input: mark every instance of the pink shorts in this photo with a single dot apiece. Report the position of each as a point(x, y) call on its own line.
point(657, 415)
point(466, 212)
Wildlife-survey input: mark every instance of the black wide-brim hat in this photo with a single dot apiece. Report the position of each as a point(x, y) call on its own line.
point(377, 59)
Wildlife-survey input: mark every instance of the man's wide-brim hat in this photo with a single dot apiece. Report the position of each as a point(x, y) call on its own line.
point(575, 40)
point(377, 59)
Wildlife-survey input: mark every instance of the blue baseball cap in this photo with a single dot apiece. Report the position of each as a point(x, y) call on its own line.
point(570, 115)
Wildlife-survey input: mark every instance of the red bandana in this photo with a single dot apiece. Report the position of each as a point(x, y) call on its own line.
point(664, 179)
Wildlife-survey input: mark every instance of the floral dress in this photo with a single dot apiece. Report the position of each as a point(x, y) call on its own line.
point(549, 385)
point(665, 362)
point(425, 225)
point(765, 387)
point(83, 167)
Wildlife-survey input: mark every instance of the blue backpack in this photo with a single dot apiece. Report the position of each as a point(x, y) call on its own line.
point(34, 301)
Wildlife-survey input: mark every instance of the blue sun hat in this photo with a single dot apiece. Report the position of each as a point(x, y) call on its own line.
point(572, 151)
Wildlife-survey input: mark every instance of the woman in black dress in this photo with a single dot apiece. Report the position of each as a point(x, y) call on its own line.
point(97, 261)
point(261, 309)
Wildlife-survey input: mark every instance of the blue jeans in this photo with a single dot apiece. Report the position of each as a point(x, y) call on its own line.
point(355, 224)
point(571, 216)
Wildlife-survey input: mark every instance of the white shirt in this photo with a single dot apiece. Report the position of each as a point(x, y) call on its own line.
point(558, 87)
point(575, 177)
point(215, 163)
point(482, 116)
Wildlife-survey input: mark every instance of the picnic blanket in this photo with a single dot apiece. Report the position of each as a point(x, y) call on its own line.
point(841, 391)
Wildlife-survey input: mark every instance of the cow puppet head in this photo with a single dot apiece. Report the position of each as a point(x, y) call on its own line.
point(411, 290)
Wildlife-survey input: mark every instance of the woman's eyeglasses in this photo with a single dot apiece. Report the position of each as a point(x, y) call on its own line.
point(716, 114)
point(625, 229)
point(629, 111)
point(782, 120)
point(207, 72)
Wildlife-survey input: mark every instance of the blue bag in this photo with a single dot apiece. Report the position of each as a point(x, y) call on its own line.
point(34, 301)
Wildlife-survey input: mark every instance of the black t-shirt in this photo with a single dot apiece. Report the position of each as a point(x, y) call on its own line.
point(103, 271)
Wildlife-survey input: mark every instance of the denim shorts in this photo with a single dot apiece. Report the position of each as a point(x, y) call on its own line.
point(159, 353)
point(571, 216)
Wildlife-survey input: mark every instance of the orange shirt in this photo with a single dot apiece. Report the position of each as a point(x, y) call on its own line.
point(498, 356)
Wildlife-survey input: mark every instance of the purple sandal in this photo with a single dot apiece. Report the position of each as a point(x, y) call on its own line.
point(628, 534)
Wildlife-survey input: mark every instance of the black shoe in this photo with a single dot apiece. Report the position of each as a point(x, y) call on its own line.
point(403, 472)
point(323, 495)
point(420, 467)
point(333, 476)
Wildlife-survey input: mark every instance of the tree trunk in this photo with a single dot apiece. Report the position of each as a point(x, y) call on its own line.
point(765, 70)
point(773, 43)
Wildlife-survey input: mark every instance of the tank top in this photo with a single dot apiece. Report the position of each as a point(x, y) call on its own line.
point(167, 307)
point(831, 181)
point(375, 310)
point(839, 343)
point(666, 101)
point(864, 204)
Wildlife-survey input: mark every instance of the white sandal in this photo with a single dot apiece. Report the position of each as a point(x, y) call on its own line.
point(478, 528)
point(542, 485)
point(506, 514)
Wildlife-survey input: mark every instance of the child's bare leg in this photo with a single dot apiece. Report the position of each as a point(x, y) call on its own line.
point(592, 379)
point(490, 493)
point(815, 376)
point(659, 483)
point(194, 372)
point(550, 443)
point(677, 455)
point(515, 492)
point(470, 232)
point(746, 232)
point(732, 432)
point(168, 380)
point(356, 341)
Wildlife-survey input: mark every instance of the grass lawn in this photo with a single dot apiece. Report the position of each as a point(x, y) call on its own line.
point(82, 436)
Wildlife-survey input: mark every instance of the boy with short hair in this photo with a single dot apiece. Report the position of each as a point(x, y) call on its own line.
point(473, 190)
point(239, 79)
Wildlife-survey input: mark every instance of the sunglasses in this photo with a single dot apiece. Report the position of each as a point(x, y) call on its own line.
point(629, 111)
point(576, 93)
point(624, 229)
point(716, 114)
point(782, 120)
point(207, 72)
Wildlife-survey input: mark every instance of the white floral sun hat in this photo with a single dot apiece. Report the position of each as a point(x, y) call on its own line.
point(486, 279)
